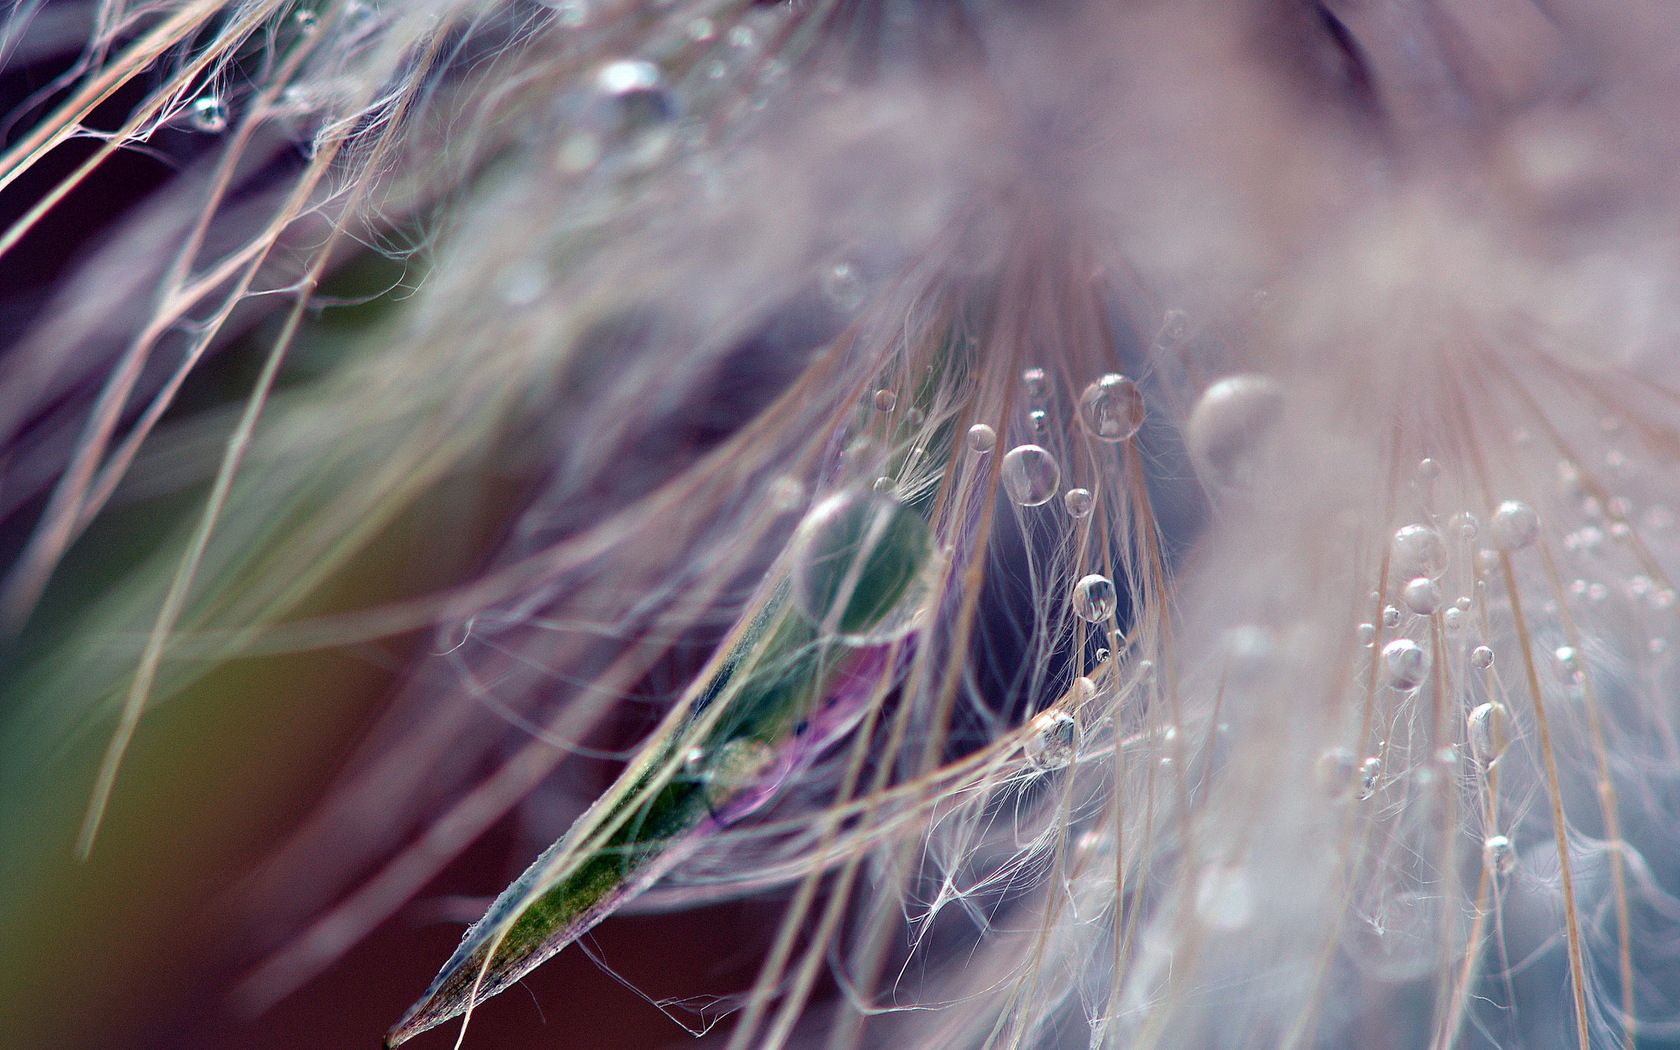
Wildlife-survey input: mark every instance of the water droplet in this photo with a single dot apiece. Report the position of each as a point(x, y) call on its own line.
point(1428, 469)
point(1370, 772)
point(1405, 664)
point(1465, 524)
point(1391, 616)
point(1367, 633)
point(1463, 603)
point(1036, 383)
point(1094, 598)
point(843, 287)
point(1052, 741)
point(1418, 550)
point(1481, 657)
point(1567, 663)
point(1111, 409)
point(1500, 855)
point(630, 112)
point(1229, 426)
point(1422, 595)
point(208, 114)
point(1078, 502)
point(982, 438)
point(1036, 419)
point(1488, 730)
point(1453, 619)
point(885, 400)
point(1031, 475)
point(859, 566)
point(1515, 525)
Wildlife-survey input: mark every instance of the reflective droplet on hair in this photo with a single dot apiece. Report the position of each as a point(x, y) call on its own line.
point(1499, 854)
point(1418, 550)
point(885, 400)
point(1037, 420)
point(1094, 598)
point(1078, 502)
point(1405, 664)
point(1453, 619)
point(208, 114)
point(1566, 662)
point(843, 287)
point(1031, 475)
point(1111, 409)
point(859, 566)
point(1036, 383)
point(1428, 469)
point(1370, 772)
point(1052, 741)
point(1391, 616)
point(1367, 633)
point(1465, 525)
point(1422, 595)
point(982, 438)
point(1481, 658)
point(1229, 427)
point(1488, 730)
point(1515, 525)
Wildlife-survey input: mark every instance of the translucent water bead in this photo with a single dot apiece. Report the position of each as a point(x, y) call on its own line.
point(859, 566)
point(208, 114)
point(1053, 741)
point(1405, 664)
point(1422, 595)
point(1078, 502)
point(1031, 475)
point(1418, 550)
point(1111, 409)
point(1488, 729)
point(1094, 598)
point(1229, 425)
point(982, 438)
point(1515, 525)
point(630, 112)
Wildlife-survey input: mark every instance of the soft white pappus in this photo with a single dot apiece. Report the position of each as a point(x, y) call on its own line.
point(1059, 479)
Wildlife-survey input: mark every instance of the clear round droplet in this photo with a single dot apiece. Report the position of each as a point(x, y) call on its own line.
point(1367, 633)
point(1488, 731)
point(1465, 525)
point(1428, 469)
point(1078, 502)
point(1453, 619)
point(885, 400)
point(1418, 550)
point(1481, 658)
point(1094, 598)
point(1038, 421)
point(208, 114)
point(860, 562)
point(1111, 409)
point(1515, 525)
point(1422, 595)
point(1370, 772)
point(1566, 662)
point(1031, 475)
point(1500, 855)
point(1229, 427)
point(1391, 616)
point(1405, 664)
point(1053, 741)
point(982, 438)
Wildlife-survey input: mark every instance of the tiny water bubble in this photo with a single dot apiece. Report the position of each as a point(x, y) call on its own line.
point(1229, 427)
point(1487, 729)
point(1037, 419)
point(1078, 502)
point(1367, 633)
point(1052, 741)
point(209, 114)
point(1031, 475)
point(1422, 595)
point(1515, 525)
point(1465, 525)
point(1419, 550)
point(1405, 664)
point(1036, 383)
point(1094, 598)
point(1499, 854)
point(885, 400)
point(1481, 658)
point(1112, 409)
point(981, 438)
point(859, 566)
point(1390, 616)
point(1453, 619)
point(1370, 772)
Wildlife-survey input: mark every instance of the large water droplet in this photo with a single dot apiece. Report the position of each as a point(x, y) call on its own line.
point(630, 112)
point(1053, 741)
point(1111, 409)
point(1418, 550)
point(1514, 525)
point(982, 438)
point(860, 561)
point(1078, 502)
point(1094, 598)
point(1488, 730)
point(1405, 664)
point(1031, 475)
point(1229, 427)
point(1422, 595)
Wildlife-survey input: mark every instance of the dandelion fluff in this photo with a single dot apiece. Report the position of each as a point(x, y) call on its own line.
point(1215, 753)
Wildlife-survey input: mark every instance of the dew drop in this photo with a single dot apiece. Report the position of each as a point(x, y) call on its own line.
point(1036, 383)
point(1367, 633)
point(843, 287)
point(1428, 469)
point(1031, 475)
point(982, 438)
point(1391, 616)
point(859, 566)
point(1370, 771)
point(885, 400)
point(1052, 742)
point(1094, 598)
point(1481, 658)
point(209, 114)
point(1418, 550)
point(1499, 854)
point(1229, 426)
point(1465, 524)
point(1567, 663)
point(1036, 419)
point(1422, 595)
point(1405, 664)
point(1488, 730)
point(1515, 525)
point(1453, 619)
point(1078, 502)
point(1111, 409)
